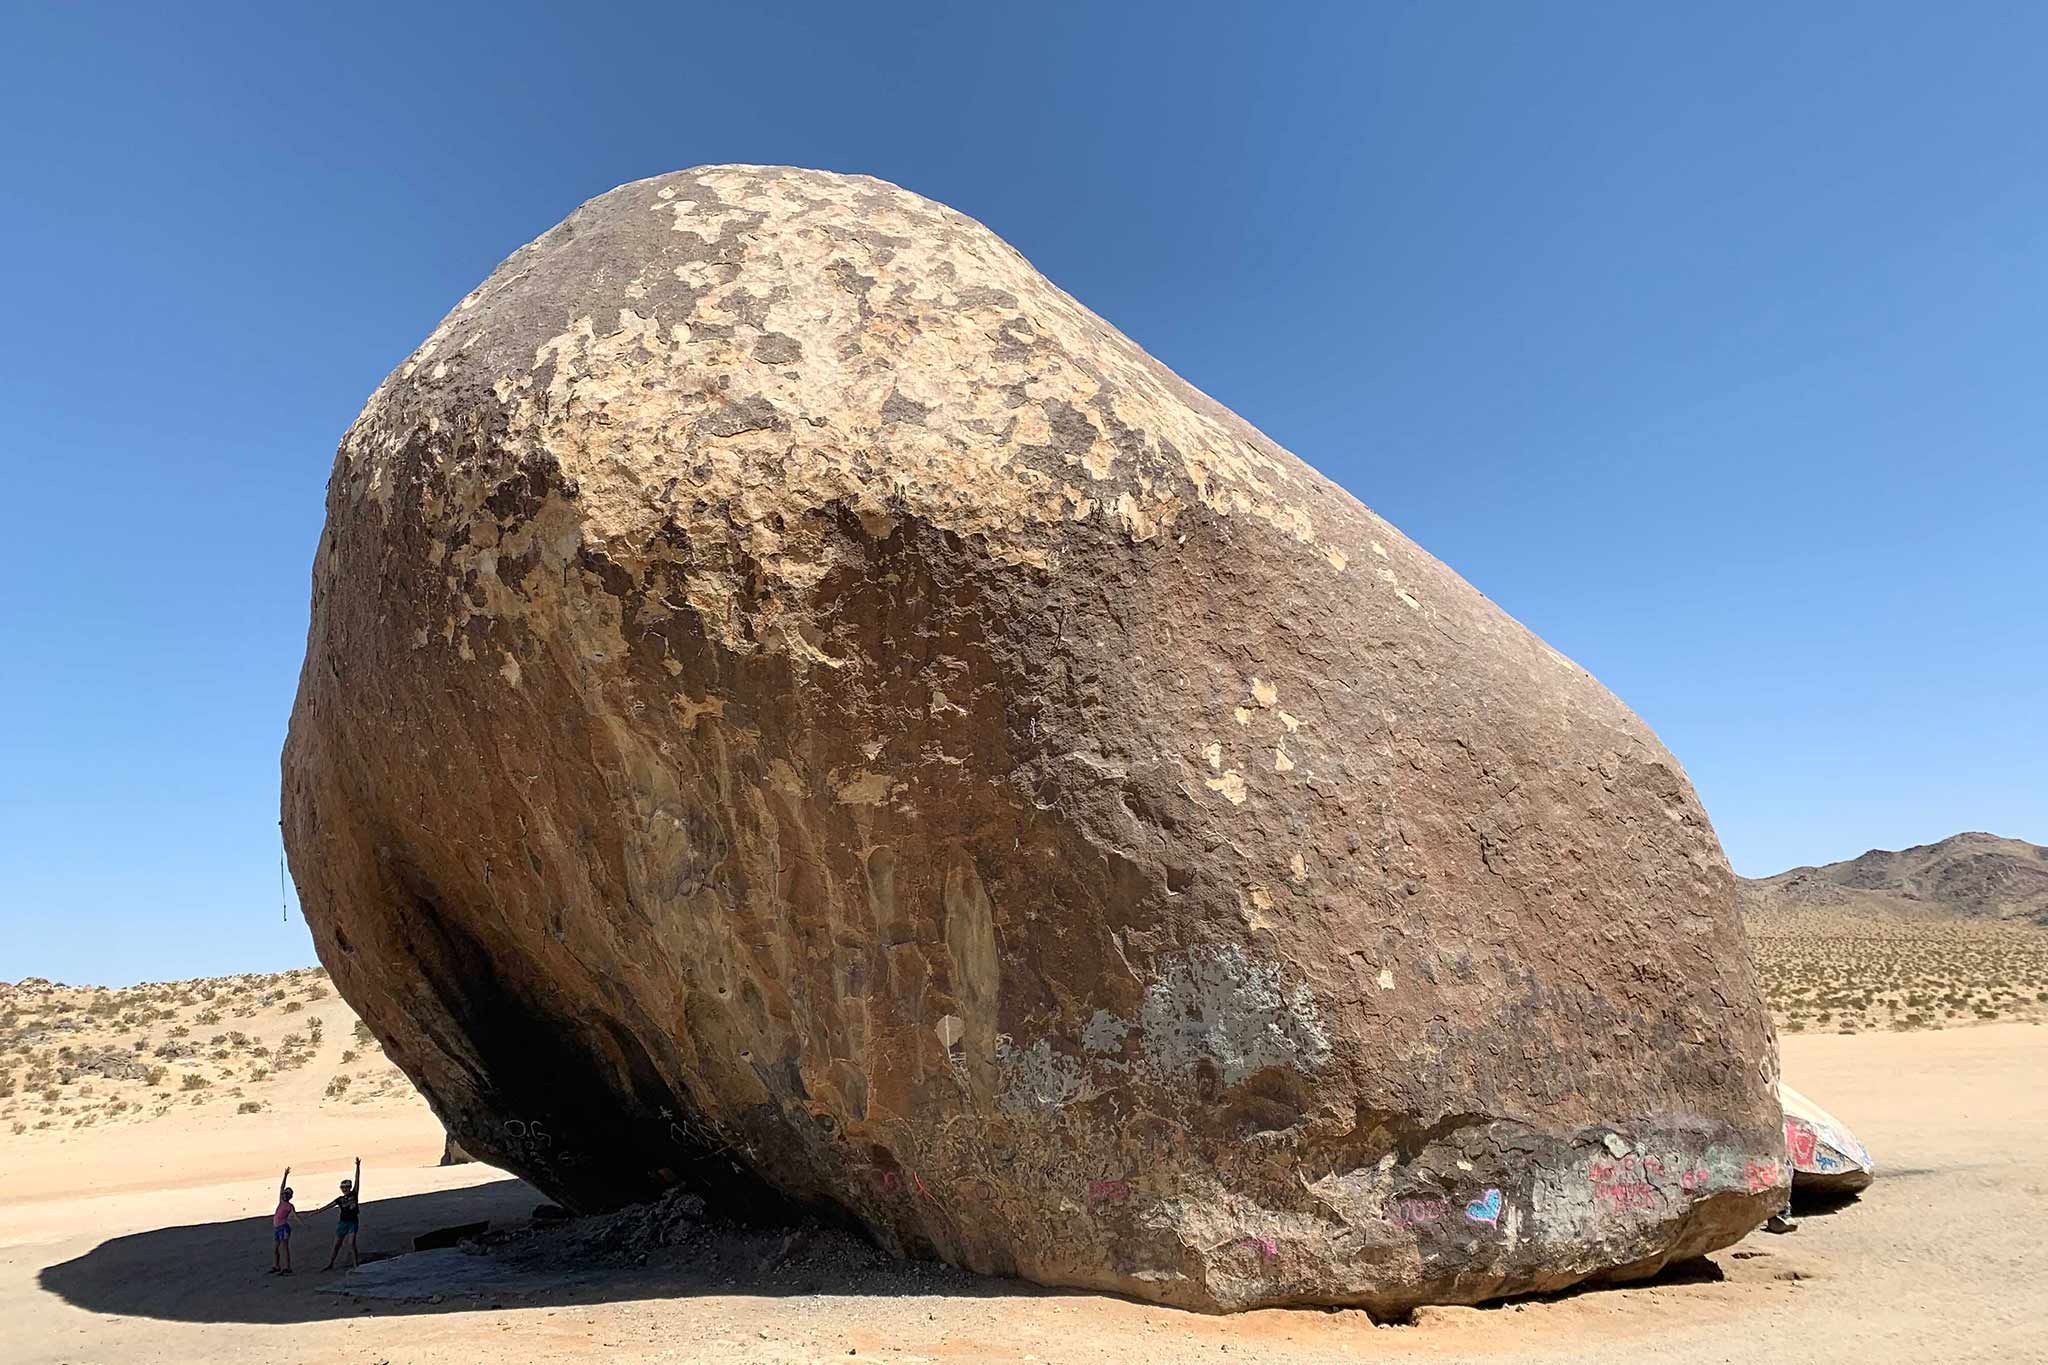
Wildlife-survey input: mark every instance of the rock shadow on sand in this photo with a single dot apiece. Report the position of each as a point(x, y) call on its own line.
point(217, 1272)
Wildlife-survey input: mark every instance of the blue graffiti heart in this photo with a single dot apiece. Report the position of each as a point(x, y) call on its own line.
point(1485, 1209)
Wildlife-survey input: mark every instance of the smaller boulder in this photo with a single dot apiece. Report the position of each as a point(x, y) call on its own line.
point(1825, 1155)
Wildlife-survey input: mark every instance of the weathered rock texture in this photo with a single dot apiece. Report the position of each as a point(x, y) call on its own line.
point(796, 703)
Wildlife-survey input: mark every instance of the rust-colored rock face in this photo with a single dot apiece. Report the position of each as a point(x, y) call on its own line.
point(796, 705)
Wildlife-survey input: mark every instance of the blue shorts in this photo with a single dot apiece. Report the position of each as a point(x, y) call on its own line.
point(342, 1230)
point(281, 1233)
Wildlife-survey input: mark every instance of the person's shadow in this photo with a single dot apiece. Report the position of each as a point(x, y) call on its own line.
point(217, 1272)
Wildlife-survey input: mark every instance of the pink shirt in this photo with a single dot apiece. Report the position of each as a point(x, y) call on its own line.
point(283, 1214)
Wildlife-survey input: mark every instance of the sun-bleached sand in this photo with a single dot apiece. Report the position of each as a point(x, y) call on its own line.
point(149, 1242)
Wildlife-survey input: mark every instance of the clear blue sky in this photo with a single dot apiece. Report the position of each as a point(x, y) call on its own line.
point(1710, 344)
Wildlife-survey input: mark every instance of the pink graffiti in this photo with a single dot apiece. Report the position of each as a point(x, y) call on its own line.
point(1695, 1179)
point(1414, 1213)
point(1265, 1246)
point(1625, 1194)
point(1628, 1168)
point(1108, 1191)
point(1799, 1141)
point(1761, 1175)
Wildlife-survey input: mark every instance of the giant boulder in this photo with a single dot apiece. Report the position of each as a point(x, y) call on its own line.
point(796, 706)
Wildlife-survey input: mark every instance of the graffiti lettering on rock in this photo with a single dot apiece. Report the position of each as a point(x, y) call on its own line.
point(1419, 1211)
point(1625, 1194)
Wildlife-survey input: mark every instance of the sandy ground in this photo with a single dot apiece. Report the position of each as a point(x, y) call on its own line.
point(149, 1243)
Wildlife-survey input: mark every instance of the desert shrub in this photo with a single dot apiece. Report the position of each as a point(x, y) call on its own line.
point(180, 1031)
point(336, 1086)
point(194, 1081)
point(156, 1074)
point(257, 1073)
point(348, 1054)
point(248, 1106)
point(363, 1034)
point(207, 1016)
point(294, 1006)
point(316, 992)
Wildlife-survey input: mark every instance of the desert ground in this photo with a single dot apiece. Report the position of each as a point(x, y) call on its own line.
point(134, 1209)
point(1843, 973)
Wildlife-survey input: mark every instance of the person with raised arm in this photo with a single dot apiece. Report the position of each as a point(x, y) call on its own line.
point(346, 1221)
point(281, 1227)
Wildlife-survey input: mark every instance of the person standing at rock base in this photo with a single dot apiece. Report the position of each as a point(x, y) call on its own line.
point(346, 1222)
point(281, 1228)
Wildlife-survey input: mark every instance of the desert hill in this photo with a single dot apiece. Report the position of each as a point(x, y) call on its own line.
point(1966, 876)
point(74, 1057)
point(1954, 932)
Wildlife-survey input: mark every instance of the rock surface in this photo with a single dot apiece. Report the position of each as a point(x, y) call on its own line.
point(798, 707)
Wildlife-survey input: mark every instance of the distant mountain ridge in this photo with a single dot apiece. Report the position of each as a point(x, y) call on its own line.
point(1966, 876)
